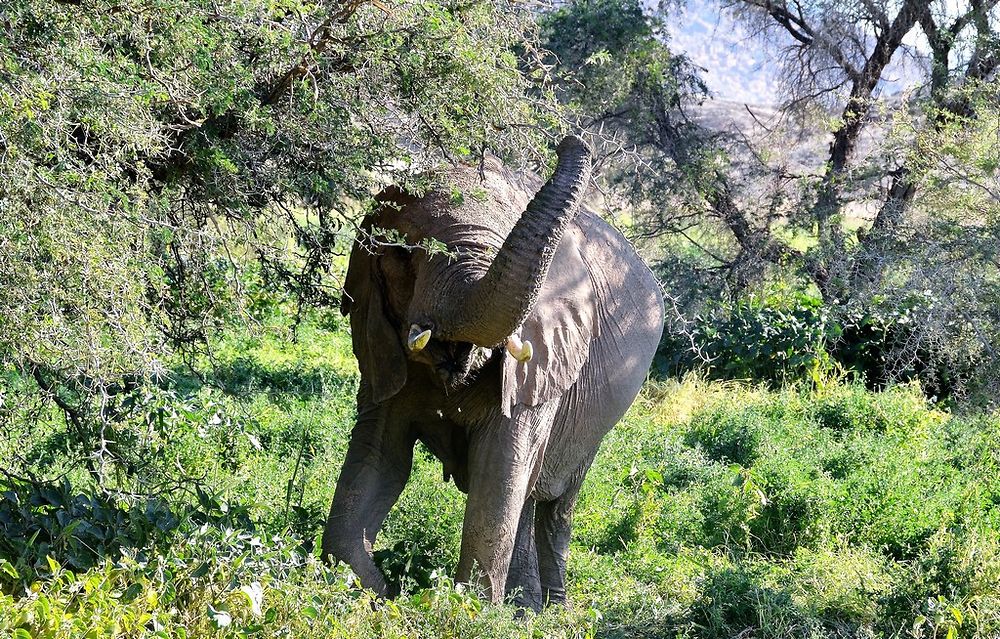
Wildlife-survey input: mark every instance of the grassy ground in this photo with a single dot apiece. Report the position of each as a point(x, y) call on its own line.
point(713, 510)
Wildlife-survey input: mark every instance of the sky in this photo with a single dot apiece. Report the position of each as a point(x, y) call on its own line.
point(739, 69)
point(735, 68)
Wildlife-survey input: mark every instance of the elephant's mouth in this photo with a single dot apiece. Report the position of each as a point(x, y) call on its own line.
point(461, 364)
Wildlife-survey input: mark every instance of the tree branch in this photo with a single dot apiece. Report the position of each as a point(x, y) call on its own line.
point(797, 27)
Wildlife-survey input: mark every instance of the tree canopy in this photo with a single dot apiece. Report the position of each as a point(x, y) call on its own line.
point(157, 158)
point(142, 141)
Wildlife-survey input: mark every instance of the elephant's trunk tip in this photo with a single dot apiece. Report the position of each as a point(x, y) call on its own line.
point(572, 143)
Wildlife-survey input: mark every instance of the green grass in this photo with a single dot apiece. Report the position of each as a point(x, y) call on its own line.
point(713, 510)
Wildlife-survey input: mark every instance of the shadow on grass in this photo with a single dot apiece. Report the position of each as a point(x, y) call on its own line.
point(245, 375)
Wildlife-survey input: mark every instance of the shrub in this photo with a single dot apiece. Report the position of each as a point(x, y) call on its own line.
point(714, 509)
point(49, 519)
point(767, 340)
point(227, 583)
point(794, 337)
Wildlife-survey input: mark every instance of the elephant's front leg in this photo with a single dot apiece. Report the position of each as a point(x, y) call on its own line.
point(505, 455)
point(377, 466)
point(522, 579)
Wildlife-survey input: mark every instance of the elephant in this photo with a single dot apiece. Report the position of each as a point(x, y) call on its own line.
point(510, 355)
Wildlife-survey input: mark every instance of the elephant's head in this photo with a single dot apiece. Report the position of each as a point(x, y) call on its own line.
point(449, 311)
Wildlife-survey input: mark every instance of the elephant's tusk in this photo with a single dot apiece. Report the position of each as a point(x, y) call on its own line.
point(521, 351)
point(417, 339)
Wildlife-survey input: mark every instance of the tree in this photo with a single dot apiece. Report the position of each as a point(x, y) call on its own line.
point(946, 264)
point(833, 47)
point(839, 56)
point(159, 157)
point(732, 212)
point(617, 74)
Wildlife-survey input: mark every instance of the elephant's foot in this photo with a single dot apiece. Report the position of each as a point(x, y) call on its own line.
point(553, 520)
point(490, 578)
point(554, 596)
point(527, 601)
point(375, 470)
point(353, 550)
point(504, 460)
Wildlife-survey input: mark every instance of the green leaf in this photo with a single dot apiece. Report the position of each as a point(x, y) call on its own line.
point(200, 571)
point(957, 614)
point(8, 569)
point(42, 608)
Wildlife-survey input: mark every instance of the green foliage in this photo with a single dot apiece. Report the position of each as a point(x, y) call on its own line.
point(712, 510)
point(37, 520)
point(609, 49)
point(166, 165)
point(726, 206)
point(232, 584)
point(791, 513)
point(786, 337)
point(424, 532)
point(615, 71)
point(762, 340)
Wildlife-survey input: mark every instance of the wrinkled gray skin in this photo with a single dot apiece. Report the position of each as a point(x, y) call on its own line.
point(518, 437)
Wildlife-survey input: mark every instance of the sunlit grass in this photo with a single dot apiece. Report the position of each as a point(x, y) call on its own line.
point(714, 509)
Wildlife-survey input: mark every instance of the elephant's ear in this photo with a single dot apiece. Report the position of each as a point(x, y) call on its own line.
point(560, 327)
point(376, 342)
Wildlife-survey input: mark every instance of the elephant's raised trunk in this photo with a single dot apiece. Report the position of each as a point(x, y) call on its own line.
point(499, 302)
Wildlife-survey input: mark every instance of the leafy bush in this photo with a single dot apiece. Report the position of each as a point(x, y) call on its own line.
point(825, 516)
point(791, 337)
point(39, 520)
point(227, 583)
point(714, 509)
point(762, 340)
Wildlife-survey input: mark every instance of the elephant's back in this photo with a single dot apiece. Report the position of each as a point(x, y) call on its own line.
point(631, 322)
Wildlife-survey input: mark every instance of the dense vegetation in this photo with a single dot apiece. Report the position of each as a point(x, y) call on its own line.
point(179, 183)
point(714, 510)
point(875, 207)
